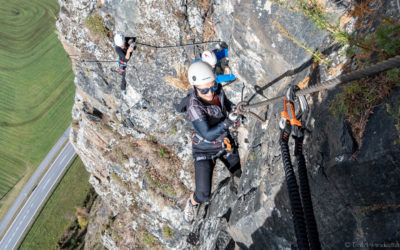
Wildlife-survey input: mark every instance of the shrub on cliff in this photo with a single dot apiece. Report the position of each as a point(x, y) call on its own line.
point(95, 24)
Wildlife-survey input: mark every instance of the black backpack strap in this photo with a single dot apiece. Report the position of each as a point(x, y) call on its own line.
point(181, 107)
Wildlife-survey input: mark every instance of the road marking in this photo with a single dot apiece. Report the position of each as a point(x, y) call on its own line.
point(24, 194)
point(63, 158)
point(52, 173)
point(47, 182)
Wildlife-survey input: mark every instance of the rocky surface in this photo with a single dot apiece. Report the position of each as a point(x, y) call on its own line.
point(137, 148)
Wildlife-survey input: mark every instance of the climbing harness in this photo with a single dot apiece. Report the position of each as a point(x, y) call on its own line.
point(303, 215)
point(244, 107)
point(225, 146)
point(122, 65)
point(196, 139)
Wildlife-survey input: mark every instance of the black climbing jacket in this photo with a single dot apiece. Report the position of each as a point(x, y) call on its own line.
point(181, 107)
point(122, 61)
point(122, 53)
point(208, 122)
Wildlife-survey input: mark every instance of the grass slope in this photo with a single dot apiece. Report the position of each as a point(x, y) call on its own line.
point(59, 210)
point(36, 90)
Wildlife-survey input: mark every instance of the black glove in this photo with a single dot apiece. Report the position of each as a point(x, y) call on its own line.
point(233, 117)
point(132, 43)
point(233, 108)
point(228, 122)
point(237, 119)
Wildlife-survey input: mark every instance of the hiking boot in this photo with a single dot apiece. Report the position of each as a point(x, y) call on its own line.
point(190, 211)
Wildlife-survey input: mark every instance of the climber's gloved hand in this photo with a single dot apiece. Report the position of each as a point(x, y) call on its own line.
point(290, 93)
point(132, 43)
point(235, 119)
point(233, 108)
point(228, 122)
point(233, 116)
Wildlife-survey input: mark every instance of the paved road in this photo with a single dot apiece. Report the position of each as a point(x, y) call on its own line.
point(34, 178)
point(21, 222)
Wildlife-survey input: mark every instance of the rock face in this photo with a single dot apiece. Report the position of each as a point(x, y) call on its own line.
point(138, 148)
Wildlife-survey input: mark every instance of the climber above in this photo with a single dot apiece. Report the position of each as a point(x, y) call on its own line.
point(124, 48)
point(213, 59)
point(208, 109)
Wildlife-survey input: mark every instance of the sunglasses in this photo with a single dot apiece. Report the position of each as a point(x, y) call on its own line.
point(212, 88)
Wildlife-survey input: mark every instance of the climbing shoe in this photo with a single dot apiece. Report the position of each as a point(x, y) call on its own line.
point(190, 211)
point(123, 92)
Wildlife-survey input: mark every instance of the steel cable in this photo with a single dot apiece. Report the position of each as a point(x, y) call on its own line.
point(391, 63)
point(175, 46)
point(146, 45)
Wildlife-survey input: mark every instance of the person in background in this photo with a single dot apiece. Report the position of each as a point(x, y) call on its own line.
point(213, 59)
point(124, 48)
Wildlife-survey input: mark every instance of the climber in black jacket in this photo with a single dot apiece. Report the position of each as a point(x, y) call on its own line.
point(124, 50)
point(208, 109)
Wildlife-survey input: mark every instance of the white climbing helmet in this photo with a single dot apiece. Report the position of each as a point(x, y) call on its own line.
point(209, 57)
point(200, 73)
point(119, 39)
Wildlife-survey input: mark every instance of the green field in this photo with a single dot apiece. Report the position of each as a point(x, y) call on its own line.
point(59, 210)
point(36, 91)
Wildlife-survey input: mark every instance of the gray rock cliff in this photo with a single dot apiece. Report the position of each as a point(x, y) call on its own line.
point(138, 148)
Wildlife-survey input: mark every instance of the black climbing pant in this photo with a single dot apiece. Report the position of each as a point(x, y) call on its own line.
point(203, 174)
point(123, 83)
